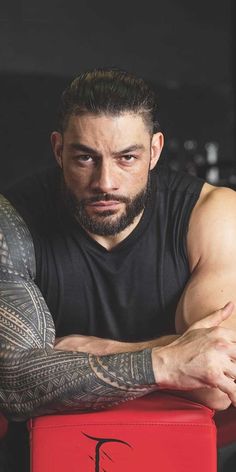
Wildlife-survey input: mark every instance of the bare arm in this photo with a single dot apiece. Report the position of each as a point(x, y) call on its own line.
point(212, 256)
point(37, 379)
point(211, 244)
point(102, 346)
point(34, 378)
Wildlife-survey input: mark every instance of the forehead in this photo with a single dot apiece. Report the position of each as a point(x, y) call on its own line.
point(107, 128)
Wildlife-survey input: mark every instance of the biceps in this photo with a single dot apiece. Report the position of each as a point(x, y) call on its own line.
point(25, 321)
point(208, 290)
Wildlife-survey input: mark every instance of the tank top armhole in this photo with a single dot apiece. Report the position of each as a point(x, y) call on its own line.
point(192, 202)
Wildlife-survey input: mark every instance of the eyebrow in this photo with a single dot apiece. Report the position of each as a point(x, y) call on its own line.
point(88, 149)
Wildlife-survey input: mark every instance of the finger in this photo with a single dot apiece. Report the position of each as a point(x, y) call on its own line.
point(228, 340)
point(230, 370)
point(214, 319)
point(228, 386)
point(227, 310)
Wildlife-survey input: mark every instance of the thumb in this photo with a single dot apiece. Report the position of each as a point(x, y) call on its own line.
point(215, 318)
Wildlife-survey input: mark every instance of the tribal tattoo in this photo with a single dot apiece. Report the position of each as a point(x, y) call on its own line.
point(35, 379)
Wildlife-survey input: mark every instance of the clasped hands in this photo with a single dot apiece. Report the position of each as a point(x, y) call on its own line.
point(203, 357)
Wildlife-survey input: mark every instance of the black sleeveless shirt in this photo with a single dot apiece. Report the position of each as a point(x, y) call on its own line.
point(129, 293)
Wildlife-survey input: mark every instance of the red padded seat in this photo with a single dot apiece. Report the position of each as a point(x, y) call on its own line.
point(3, 426)
point(226, 426)
point(159, 432)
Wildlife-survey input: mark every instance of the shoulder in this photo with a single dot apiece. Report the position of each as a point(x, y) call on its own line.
point(16, 245)
point(216, 204)
point(212, 226)
point(35, 198)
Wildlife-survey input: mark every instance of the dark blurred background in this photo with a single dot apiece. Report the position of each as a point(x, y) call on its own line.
point(183, 47)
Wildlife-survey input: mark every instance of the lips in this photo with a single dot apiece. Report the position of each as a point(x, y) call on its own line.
point(105, 205)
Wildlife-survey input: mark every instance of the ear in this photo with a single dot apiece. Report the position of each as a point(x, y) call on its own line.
point(57, 146)
point(156, 148)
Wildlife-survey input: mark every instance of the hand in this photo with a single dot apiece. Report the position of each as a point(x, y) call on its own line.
point(203, 356)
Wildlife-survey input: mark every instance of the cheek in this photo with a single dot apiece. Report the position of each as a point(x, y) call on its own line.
point(76, 182)
point(75, 175)
point(136, 185)
point(140, 177)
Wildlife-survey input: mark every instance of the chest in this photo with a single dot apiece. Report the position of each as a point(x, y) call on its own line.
point(130, 294)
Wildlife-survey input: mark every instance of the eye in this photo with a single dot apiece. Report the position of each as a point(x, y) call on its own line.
point(127, 158)
point(84, 159)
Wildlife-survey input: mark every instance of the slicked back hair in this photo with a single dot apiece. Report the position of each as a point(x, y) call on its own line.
point(109, 92)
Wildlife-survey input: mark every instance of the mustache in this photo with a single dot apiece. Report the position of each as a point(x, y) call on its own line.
point(105, 197)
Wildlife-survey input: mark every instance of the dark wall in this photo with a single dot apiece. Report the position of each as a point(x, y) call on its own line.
point(172, 40)
point(183, 47)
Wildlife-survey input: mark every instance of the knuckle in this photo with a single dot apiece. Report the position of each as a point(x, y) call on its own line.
point(221, 343)
point(221, 404)
point(212, 375)
point(219, 401)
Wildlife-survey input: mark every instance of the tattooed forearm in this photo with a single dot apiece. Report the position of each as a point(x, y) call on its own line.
point(43, 381)
point(34, 378)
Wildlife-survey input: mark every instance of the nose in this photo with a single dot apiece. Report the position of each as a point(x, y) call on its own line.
point(104, 178)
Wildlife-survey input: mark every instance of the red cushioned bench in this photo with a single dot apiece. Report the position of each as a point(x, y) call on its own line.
point(3, 426)
point(226, 427)
point(160, 432)
point(225, 422)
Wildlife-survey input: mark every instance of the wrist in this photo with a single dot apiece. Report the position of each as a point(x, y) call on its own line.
point(160, 366)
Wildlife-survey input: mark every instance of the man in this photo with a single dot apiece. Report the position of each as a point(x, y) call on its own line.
point(107, 260)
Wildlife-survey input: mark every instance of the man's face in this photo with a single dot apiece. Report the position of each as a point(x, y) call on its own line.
point(106, 161)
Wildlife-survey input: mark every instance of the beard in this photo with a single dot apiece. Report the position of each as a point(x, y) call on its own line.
point(106, 223)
